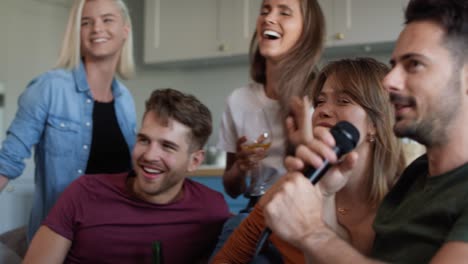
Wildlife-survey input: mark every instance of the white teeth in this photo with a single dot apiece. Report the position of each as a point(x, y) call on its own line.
point(271, 34)
point(148, 170)
point(99, 40)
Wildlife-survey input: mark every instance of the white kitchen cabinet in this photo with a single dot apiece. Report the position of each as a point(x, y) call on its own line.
point(239, 18)
point(352, 22)
point(184, 30)
point(177, 30)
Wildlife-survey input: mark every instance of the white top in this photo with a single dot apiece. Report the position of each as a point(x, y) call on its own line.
point(240, 103)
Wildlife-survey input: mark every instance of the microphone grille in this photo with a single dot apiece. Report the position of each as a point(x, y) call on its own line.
point(346, 136)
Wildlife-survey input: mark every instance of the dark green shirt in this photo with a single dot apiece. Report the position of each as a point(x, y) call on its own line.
point(420, 214)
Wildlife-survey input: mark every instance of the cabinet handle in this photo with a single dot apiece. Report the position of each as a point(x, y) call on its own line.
point(339, 36)
point(223, 47)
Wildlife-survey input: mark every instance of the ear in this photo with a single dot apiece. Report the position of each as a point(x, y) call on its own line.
point(196, 159)
point(371, 130)
point(126, 30)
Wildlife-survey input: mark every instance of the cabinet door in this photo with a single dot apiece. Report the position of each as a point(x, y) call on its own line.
point(181, 30)
point(327, 10)
point(238, 21)
point(365, 21)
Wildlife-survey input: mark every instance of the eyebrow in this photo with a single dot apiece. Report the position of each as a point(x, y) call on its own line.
point(405, 57)
point(162, 141)
point(141, 135)
point(281, 6)
point(109, 14)
point(103, 15)
point(171, 144)
point(285, 7)
point(320, 94)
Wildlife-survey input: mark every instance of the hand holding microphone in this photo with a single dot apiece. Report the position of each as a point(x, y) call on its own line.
point(346, 137)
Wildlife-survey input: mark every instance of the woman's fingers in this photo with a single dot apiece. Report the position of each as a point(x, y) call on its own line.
point(299, 123)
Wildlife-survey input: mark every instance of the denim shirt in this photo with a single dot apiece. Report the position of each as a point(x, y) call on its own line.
point(55, 115)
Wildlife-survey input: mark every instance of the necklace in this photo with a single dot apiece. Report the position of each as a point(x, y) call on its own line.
point(342, 210)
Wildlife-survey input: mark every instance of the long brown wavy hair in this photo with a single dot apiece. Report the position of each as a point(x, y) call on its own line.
point(297, 68)
point(361, 79)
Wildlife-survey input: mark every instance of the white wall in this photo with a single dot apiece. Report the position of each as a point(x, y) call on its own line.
point(30, 39)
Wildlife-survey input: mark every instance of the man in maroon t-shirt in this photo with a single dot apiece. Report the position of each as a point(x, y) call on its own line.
point(121, 218)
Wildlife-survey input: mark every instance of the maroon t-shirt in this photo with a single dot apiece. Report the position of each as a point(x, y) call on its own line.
point(106, 224)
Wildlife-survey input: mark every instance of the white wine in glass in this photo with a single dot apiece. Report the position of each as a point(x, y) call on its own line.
point(258, 132)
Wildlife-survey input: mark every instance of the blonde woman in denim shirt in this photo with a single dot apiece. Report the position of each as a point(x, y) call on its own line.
point(78, 115)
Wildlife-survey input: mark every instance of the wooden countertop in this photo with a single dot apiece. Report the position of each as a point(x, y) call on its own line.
point(209, 171)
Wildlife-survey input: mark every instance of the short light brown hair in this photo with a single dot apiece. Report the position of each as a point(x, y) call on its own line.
point(185, 109)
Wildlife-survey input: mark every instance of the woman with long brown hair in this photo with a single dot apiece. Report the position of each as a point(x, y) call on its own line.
point(285, 47)
point(284, 50)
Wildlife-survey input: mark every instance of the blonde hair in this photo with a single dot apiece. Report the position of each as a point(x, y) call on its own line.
point(361, 79)
point(70, 53)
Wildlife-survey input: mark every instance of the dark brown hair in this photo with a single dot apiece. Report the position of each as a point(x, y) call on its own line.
point(452, 15)
point(361, 79)
point(185, 109)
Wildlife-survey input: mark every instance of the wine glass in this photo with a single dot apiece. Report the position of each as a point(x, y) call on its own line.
point(256, 128)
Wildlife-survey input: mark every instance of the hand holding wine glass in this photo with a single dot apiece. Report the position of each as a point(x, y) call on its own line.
point(257, 133)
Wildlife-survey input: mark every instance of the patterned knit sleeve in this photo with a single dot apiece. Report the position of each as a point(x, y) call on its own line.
point(241, 245)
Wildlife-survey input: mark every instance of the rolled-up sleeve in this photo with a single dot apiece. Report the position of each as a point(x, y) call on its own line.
point(26, 128)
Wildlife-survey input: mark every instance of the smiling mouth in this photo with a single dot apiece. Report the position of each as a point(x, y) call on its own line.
point(99, 40)
point(325, 125)
point(151, 171)
point(271, 35)
point(400, 102)
point(400, 106)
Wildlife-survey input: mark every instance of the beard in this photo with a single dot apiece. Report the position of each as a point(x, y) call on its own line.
point(166, 185)
point(166, 188)
point(431, 128)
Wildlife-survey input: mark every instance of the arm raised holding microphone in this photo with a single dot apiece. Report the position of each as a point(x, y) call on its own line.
point(295, 209)
point(346, 137)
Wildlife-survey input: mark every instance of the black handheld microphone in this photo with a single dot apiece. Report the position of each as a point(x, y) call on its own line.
point(346, 137)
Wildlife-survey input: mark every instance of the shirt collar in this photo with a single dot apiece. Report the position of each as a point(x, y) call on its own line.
point(79, 73)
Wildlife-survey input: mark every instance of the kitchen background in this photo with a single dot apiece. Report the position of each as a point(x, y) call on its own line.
point(197, 46)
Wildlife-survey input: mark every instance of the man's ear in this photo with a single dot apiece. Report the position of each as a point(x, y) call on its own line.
point(196, 159)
